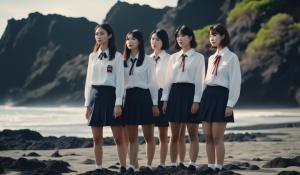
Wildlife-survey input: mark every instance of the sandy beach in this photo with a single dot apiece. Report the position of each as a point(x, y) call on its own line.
point(280, 142)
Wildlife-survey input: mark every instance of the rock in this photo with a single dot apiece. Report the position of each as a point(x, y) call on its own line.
point(58, 165)
point(253, 167)
point(33, 154)
point(289, 173)
point(281, 163)
point(56, 154)
point(88, 161)
point(23, 164)
point(233, 167)
point(257, 159)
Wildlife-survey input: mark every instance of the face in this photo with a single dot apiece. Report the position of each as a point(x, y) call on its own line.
point(215, 39)
point(156, 43)
point(101, 36)
point(184, 41)
point(131, 42)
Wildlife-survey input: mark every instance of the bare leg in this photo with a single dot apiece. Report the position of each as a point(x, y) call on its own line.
point(182, 145)
point(210, 148)
point(175, 130)
point(98, 140)
point(148, 131)
point(194, 141)
point(218, 137)
point(132, 131)
point(120, 140)
point(163, 144)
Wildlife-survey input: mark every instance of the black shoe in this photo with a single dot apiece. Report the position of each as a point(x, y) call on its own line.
point(160, 167)
point(130, 170)
point(148, 171)
point(208, 170)
point(192, 168)
point(181, 165)
point(122, 169)
point(218, 170)
point(98, 171)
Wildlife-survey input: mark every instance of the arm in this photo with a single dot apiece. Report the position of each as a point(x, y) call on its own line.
point(88, 85)
point(199, 79)
point(152, 82)
point(234, 81)
point(120, 85)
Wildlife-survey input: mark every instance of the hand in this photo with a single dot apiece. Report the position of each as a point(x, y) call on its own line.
point(155, 111)
point(117, 111)
point(87, 112)
point(164, 108)
point(228, 111)
point(195, 108)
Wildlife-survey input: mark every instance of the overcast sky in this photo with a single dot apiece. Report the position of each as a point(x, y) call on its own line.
point(93, 10)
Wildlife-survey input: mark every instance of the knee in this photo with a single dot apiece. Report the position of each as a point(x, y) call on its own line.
point(194, 137)
point(119, 141)
point(175, 138)
point(208, 139)
point(218, 140)
point(133, 139)
point(163, 139)
point(97, 141)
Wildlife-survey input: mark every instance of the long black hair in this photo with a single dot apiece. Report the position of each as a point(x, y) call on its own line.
point(112, 48)
point(126, 53)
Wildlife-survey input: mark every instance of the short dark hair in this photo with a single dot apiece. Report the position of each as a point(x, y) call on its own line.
point(185, 30)
point(163, 36)
point(221, 30)
point(126, 53)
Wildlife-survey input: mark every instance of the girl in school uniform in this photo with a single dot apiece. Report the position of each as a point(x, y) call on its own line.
point(140, 97)
point(183, 91)
point(160, 43)
point(104, 89)
point(223, 81)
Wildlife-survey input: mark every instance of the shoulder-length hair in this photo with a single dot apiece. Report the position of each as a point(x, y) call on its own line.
point(163, 36)
point(126, 53)
point(221, 30)
point(185, 30)
point(112, 48)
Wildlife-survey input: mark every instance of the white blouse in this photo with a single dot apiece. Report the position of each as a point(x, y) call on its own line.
point(228, 74)
point(194, 72)
point(160, 67)
point(105, 72)
point(142, 76)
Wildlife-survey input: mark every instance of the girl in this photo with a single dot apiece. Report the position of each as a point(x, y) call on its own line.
point(182, 93)
point(223, 81)
point(140, 99)
point(159, 43)
point(104, 89)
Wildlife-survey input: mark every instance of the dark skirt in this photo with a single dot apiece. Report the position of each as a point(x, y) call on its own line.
point(102, 107)
point(162, 120)
point(213, 105)
point(180, 102)
point(138, 107)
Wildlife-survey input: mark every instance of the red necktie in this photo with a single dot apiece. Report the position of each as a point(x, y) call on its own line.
point(216, 64)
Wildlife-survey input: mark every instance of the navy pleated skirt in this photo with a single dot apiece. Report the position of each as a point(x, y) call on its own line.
point(213, 105)
point(102, 107)
point(138, 107)
point(180, 102)
point(162, 120)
